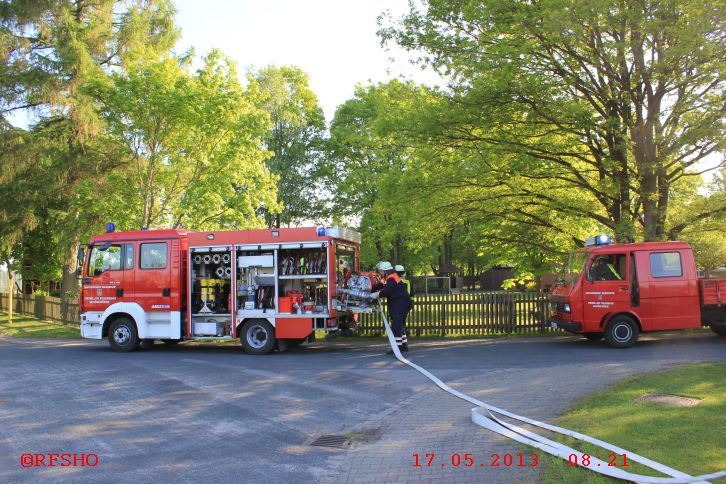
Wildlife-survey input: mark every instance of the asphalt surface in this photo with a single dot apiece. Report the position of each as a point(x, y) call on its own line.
point(200, 412)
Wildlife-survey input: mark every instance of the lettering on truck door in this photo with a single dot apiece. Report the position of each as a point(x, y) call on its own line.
point(104, 283)
point(607, 289)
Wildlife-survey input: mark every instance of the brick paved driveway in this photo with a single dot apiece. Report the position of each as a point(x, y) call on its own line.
point(200, 413)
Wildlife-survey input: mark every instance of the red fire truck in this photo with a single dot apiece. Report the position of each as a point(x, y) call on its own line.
point(271, 288)
point(617, 291)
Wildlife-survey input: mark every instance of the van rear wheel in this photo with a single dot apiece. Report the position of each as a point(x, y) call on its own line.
point(257, 337)
point(622, 332)
point(719, 329)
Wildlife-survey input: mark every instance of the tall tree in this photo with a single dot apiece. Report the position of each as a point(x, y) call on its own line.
point(295, 139)
point(191, 145)
point(616, 100)
point(48, 52)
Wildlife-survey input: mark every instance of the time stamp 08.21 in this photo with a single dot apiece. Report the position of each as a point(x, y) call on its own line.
point(509, 460)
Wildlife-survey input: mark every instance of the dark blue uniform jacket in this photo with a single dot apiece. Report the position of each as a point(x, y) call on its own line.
point(399, 302)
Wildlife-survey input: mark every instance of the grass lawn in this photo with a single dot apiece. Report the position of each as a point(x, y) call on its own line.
point(690, 440)
point(28, 327)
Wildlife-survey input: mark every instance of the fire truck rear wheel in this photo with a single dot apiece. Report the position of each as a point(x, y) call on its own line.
point(622, 332)
point(122, 335)
point(257, 337)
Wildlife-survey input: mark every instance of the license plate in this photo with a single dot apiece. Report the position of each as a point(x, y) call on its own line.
point(554, 325)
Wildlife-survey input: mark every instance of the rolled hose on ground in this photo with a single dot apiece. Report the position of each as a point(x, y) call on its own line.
point(484, 416)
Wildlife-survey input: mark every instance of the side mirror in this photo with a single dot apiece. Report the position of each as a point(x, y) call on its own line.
point(590, 274)
point(79, 262)
point(97, 272)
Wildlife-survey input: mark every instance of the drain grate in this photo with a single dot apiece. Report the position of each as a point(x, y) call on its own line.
point(334, 441)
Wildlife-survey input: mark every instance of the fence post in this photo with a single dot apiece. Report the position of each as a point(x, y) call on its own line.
point(442, 313)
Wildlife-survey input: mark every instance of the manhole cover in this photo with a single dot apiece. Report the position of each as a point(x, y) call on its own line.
point(672, 400)
point(335, 441)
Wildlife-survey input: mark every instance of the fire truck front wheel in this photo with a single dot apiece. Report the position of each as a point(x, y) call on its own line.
point(622, 332)
point(257, 337)
point(122, 335)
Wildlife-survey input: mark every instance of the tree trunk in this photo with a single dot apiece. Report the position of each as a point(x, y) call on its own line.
point(69, 285)
point(11, 290)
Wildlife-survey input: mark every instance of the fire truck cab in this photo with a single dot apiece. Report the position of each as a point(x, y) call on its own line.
point(617, 291)
point(271, 288)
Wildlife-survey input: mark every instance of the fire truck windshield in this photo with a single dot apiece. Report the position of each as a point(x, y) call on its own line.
point(573, 267)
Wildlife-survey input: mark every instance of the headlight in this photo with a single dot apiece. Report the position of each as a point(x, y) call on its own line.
point(567, 308)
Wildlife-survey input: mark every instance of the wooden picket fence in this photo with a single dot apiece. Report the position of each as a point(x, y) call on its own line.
point(45, 308)
point(469, 314)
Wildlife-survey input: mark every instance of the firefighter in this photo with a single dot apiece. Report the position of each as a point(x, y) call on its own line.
point(398, 302)
point(409, 289)
point(401, 271)
point(605, 271)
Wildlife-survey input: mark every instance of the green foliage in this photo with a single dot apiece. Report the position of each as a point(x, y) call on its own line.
point(370, 164)
point(190, 145)
point(48, 52)
point(295, 139)
point(590, 109)
point(424, 199)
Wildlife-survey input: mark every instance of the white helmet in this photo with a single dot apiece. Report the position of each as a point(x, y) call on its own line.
point(384, 266)
point(399, 268)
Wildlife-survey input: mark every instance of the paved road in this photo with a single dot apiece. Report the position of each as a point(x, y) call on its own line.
point(199, 412)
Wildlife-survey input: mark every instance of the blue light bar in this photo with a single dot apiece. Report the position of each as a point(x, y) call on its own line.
point(598, 240)
point(321, 231)
point(110, 227)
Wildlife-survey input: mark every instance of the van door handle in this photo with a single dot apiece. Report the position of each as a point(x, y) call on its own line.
point(166, 292)
point(623, 289)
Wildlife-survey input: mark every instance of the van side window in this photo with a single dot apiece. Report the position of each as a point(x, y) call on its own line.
point(153, 256)
point(608, 267)
point(128, 256)
point(666, 264)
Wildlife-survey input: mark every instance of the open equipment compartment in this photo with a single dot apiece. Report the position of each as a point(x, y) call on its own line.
point(255, 283)
point(303, 279)
point(210, 278)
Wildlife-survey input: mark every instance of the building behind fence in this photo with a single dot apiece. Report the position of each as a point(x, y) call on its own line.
point(468, 314)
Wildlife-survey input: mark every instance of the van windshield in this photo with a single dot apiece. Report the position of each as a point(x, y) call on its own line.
point(573, 267)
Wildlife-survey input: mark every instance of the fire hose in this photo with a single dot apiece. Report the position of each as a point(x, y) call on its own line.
point(484, 416)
